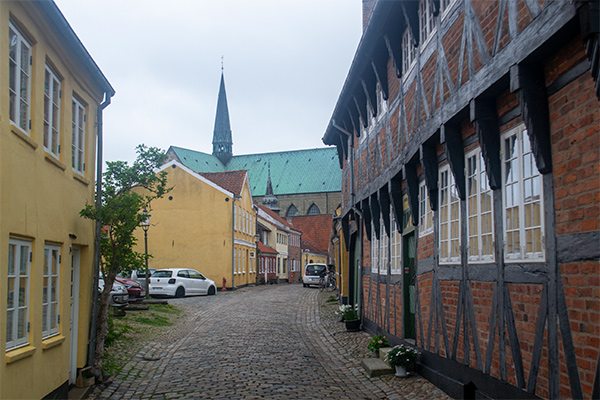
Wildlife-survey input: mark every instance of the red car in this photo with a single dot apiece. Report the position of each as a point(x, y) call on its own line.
point(135, 290)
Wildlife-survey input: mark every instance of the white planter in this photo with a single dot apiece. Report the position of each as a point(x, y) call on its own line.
point(401, 371)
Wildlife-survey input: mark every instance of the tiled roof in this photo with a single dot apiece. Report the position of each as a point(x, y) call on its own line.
point(307, 244)
point(275, 216)
point(232, 181)
point(266, 249)
point(292, 172)
point(315, 229)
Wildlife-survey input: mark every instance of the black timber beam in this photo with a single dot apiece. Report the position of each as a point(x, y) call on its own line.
point(394, 48)
point(379, 62)
point(528, 82)
point(485, 119)
point(346, 229)
point(395, 189)
point(453, 144)
point(366, 211)
point(411, 17)
point(375, 214)
point(384, 204)
point(354, 120)
point(589, 22)
point(409, 171)
point(369, 85)
point(360, 101)
point(429, 163)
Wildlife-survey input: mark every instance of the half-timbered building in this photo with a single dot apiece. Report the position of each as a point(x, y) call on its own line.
point(468, 134)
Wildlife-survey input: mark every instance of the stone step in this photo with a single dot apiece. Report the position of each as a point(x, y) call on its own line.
point(383, 352)
point(376, 367)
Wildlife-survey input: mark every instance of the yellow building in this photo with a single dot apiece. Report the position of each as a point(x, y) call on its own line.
point(50, 105)
point(207, 223)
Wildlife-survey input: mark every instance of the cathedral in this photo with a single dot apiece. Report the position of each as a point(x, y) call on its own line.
point(297, 182)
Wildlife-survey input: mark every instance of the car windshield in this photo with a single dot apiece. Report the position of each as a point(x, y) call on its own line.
point(311, 269)
point(162, 274)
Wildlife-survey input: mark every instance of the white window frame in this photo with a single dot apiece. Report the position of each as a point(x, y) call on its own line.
point(396, 247)
point(514, 195)
point(20, 75)
point(427, 22)
point(383, 247)
point(52, 99)
point(51, 290)
point(78, 144)
point(19, 268)
point(409, 52)
point(445, 6)
point(425, 212)
point(374, 250)
point(480, 223)
point(449, 227)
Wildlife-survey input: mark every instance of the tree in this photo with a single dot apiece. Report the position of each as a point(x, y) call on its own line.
point(126, 191)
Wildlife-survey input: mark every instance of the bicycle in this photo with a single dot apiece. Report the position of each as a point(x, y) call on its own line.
point(328, 282)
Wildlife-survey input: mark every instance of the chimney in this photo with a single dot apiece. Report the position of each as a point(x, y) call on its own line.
point(367, 8)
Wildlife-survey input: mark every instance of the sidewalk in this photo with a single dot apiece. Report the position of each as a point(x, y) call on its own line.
point(354, 344)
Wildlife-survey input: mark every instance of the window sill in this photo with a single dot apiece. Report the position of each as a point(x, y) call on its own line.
point(53, 160)
point(52, 341)
point(24, 136)
point(18, 354)
point(81, 179)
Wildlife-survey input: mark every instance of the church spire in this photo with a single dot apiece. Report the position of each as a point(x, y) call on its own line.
point(222, 142)
point(270, 200)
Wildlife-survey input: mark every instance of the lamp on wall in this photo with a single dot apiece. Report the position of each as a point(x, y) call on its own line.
point(145, 227)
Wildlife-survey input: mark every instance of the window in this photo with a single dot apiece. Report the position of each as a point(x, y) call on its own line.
point(445, 6)
point(234, 261)
point(409, 51)
point(449, 218)
point(480, 228)
point(313, 210)
point(383, 248)
point(51, 112)
point(396, 247)
point(374, 252)
point(19, 55)
point(292, 211)
point(78, 153)
point(522, 197)
point(17, 304)
point(425, 213)
point(426, 21)
point(235, 212)
point(50, 294)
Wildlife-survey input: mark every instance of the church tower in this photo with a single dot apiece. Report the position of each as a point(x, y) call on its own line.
point(270, 200)
point(222, 143)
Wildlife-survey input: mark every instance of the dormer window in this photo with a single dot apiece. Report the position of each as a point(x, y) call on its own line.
point(426, 21)
point(409, 52)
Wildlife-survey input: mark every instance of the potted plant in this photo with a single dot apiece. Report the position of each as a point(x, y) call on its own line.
point(402, 357)
point(376, 343)
point(350, 315)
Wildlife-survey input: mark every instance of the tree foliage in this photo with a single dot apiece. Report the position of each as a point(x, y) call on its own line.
point(126, 191)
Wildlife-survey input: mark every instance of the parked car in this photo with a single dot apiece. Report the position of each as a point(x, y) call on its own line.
point(313, 273)
point(135, 290)
point(140, 276)
point(118, 295)
point(179, 282)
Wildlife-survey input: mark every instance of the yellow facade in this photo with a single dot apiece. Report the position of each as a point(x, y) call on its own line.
point(193, 227)
point(41, 194)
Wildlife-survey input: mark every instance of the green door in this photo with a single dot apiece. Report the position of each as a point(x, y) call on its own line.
point(409, 295)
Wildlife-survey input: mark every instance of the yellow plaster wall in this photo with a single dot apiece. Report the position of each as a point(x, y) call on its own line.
point(40, 200)
point(245, 242)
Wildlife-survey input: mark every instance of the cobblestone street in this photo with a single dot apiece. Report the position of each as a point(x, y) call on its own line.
point(279, 341)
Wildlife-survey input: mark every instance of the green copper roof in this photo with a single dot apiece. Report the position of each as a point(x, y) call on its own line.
point(298, 171)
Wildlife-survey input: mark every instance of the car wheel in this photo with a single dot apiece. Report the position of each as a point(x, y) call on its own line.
point(305, 285)
point(211, 290)
point(180, 292)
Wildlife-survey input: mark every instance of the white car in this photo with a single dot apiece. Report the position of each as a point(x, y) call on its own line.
point(313, 273)
point(179, 282)
point(118, 295)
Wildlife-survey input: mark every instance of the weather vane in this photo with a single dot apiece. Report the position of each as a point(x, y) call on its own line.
point(221, 63)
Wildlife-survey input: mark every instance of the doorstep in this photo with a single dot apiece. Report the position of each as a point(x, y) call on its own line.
point(376, 367)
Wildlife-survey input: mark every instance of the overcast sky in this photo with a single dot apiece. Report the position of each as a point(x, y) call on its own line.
point(285, 64)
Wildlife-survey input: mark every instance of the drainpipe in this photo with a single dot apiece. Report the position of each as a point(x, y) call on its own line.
point(92, 345)
point(235, 197)
point(360, 250)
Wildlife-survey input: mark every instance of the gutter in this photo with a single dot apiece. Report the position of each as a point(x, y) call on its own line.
point(98, 233)
point(360, 255)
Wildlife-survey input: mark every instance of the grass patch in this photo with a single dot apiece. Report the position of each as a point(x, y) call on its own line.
point(331, 299)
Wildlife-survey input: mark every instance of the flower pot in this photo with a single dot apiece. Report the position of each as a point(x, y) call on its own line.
point(353, 326)
point(401, 371)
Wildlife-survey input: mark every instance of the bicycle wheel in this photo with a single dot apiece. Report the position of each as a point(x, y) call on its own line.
point(332, 284)
point(322, 283)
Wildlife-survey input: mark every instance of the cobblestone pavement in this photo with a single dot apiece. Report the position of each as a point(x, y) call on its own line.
point(277, 342)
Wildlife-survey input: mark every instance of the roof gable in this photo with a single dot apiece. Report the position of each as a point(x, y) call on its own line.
point(233, 181)
point(315, 229)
